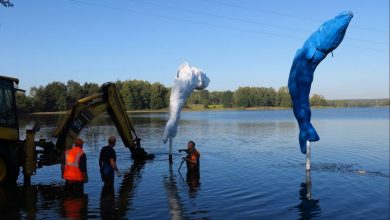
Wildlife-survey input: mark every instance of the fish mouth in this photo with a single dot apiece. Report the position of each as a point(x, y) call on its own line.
point(345, 16)
point(333, 32)
point(346, 13)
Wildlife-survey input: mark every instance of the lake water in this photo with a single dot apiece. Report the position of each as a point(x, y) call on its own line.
point(251, 168)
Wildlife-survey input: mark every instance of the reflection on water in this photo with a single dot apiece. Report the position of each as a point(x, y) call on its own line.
point(177, 208)
point(175, 204)
point(308, 208)
point(107, 203)
point(126, 191)
point(193, 182)
point(27, 202)
point(111, 209)
point(74, 205)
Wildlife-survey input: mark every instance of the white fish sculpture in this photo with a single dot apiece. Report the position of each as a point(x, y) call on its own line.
point(188, 79)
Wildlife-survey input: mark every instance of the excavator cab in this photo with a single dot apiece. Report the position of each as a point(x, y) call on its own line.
point(8, 118)
point(9, 130)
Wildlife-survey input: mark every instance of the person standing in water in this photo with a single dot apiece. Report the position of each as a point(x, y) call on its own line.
point(74, 167)
point(192, 162)
point(192, 158)
point(107, 163)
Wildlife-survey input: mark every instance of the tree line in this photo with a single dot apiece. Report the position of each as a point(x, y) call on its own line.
point(143, 95)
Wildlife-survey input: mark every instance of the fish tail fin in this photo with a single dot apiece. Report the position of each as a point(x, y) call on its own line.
point(307, 133)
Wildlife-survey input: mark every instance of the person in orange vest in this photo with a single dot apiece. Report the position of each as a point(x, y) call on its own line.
point(193, 173)
point(192, 157)
point(74, 167)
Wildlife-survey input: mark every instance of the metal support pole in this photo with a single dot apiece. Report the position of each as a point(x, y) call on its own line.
point(182, 161)
point(170, 150)
point(27, 180)
point(308, 184)
point(308, 155)
point(29, 166)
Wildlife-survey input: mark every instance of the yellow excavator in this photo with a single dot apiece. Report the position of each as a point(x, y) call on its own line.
point(30, 154)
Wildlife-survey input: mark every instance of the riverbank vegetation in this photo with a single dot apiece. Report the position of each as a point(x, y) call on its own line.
point(142, 95)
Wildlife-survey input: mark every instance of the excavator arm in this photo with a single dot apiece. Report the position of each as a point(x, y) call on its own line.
point(90, 107)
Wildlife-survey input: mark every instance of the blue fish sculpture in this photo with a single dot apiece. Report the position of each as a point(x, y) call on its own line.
point(322, 42)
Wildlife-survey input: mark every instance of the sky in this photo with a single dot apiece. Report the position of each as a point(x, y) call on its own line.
point(236, 42)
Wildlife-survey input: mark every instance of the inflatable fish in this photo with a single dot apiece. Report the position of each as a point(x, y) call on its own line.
point(322, 42)
point(188, 79)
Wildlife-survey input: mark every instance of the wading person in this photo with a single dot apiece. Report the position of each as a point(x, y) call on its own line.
point(74, 167)
point(107, 163)
point(192, 158)
point(192, 161)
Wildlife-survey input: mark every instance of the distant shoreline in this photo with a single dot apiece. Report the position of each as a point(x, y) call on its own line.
point(213, 109)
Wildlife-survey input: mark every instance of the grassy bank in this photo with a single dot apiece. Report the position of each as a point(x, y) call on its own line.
point(189, 108)
point(200, 108)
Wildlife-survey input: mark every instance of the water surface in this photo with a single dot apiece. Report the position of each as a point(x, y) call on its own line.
point(251, 168)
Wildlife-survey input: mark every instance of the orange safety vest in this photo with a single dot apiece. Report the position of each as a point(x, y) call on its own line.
point(194, 156)
point(72, 161)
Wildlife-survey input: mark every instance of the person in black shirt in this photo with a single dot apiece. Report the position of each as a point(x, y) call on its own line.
point(107, 163)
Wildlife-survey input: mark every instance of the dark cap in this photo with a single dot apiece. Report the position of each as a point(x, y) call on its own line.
point(79, 142)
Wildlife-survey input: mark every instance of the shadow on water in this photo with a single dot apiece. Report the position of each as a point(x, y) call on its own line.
point(111, 209)
point(308, 208)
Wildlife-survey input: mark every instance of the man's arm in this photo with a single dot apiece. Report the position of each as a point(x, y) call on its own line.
point(113, 165)
point(183, 150)
point(112, 157)
point(101, 158)
point(83, 167)
point(62, 164)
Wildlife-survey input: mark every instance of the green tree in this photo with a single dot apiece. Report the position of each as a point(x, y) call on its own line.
point(167, 96)
point(227, 99)
point(317, 100)
point(55, 95)
point(23, 103)
point(243, 97)
point(204, 98)
point(271, 97)
point(194, 98)
point(283, 97)
point(157, 96)
point(89, 89)
point(38, 100)
point(136, 94)
point(215, 98)
point(74, 93)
